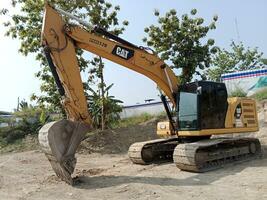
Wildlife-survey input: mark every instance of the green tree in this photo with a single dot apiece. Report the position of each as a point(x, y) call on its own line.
point(111, 107)
point(239, 58)
point(264, 61)
point(26, 26)
point(179, 41)
point(23, 105)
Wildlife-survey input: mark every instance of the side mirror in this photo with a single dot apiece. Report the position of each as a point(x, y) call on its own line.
point(199, 90)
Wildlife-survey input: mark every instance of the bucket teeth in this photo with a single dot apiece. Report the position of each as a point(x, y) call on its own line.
point(62, 170)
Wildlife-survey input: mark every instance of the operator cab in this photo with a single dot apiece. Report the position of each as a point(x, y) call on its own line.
point(202, 105)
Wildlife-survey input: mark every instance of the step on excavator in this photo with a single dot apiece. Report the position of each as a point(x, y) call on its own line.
point(201, 109)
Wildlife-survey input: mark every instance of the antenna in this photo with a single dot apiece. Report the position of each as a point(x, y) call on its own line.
point(63, 12)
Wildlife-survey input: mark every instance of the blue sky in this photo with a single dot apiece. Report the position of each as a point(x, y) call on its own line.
point(17, 72)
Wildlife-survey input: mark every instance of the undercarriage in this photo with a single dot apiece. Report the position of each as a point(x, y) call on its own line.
point(199, 156)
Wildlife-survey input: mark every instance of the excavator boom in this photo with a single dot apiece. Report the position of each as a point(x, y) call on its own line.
point(59, 140)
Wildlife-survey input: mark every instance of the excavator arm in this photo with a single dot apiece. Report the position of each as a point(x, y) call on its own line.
point(59, 140)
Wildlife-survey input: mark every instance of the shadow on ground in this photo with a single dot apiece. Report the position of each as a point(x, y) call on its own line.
point(86, 182)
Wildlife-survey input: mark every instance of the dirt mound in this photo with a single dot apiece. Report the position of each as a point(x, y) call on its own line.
point(118, 140)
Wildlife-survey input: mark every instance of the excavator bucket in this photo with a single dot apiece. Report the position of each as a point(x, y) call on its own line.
point(59, 141)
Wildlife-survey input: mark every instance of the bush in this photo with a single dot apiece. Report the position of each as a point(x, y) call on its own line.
point(238, 92)
point(11, 134)
point(32, 119)
point(14, 135)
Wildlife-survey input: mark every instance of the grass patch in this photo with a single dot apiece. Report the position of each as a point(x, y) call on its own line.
point(30, 142)
point(15, 146)
point(132, 120)
point(136, 120)
point(260, 95)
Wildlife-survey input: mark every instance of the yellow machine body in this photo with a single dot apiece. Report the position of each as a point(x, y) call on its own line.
point(246, 122)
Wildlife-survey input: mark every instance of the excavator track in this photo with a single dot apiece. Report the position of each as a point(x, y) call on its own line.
point(206, 155)
point(147, 152)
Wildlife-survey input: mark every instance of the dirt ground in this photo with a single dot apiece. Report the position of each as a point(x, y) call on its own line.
point(105, 172)
point(27, 175)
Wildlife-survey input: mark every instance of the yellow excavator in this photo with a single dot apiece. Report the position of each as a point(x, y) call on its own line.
point(202, 108)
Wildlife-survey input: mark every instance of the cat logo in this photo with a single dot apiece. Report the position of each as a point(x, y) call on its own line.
point(123, 52)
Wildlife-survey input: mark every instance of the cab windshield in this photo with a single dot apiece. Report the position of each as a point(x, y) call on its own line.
point(188, 114)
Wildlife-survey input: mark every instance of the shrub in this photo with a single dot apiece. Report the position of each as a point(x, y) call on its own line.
point(19, 131)
point(238, 92)
point(14, 135)
point(32, 119)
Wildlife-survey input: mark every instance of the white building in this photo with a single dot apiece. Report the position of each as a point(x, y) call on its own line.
point(5, 116)
point(249, 81)
point(135, 110)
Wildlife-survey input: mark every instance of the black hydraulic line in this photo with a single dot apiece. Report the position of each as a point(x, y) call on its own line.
point(114, 37)
point(167, 109)
point(54, 72)
point(177, 97)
